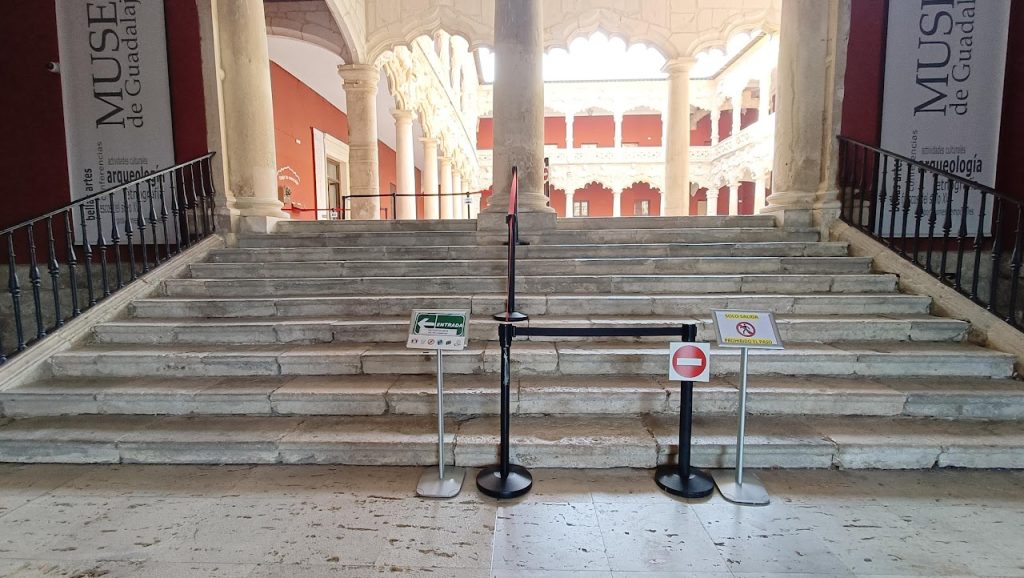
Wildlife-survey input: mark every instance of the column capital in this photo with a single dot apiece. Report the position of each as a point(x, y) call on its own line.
point(679, 65)
point(359, 76)
point(402, 115)
point(428, 141)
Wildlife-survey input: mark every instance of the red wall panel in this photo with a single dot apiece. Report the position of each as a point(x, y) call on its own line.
point(1010, 170)
point(638, 192)
point(485, 134)
point(599, 130)
point(297, 110)
point(700, 136)
point(599, 197)
point(862, 102)
point(185, 73)
point(34, 155)
point(642, 129)
point(554, 131)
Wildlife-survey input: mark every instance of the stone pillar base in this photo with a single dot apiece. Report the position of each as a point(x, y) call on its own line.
point(260, 225)
point(788, 218)
point(532, 226)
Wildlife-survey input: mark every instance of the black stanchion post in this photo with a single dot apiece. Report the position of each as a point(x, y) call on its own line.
point(505, 480)
point(681, 479)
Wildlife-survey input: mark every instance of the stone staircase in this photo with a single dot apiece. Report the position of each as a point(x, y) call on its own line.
point(291, 348)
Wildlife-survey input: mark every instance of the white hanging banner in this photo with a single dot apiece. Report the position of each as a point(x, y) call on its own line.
point(944, 67)
point(117, 105)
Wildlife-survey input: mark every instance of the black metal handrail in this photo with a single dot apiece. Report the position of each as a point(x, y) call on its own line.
point(130, 229)
point(955, 229)
point(512, 220)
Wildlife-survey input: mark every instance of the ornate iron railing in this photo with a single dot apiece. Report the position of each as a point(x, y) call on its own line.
point(963, 233)
point(96, 245)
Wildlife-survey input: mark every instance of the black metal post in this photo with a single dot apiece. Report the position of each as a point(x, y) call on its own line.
point(681, 479)
point(505, 480)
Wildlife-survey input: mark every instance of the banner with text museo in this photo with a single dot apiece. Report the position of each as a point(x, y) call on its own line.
point(944, 66)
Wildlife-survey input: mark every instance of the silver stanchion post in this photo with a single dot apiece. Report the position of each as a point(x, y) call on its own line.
point(440, 482)
point(743, 489)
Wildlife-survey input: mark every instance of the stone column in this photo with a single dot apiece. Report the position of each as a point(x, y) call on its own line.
point(712, 196)
point(446, 187)
point(715, 113)
point(812, 62)
point(661, 203)
point(677, 149)
point(618, 129)
point(518, 115)
point(759, 191)
point(569, 120)
point(568, 203)
point(616, 203)
point(734, 199)
point(360, 83)
point(430, 208)
point(406, 184)
point(249, 151)
point(456, 198)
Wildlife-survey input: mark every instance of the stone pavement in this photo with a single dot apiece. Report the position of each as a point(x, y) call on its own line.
point(262, 521)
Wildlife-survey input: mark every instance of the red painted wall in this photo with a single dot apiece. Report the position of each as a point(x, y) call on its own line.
point(554, 131)
point(388, 166)
point(35, 164)
point(700, 195)
point(862, 103)
point(599, 197)
point(599, 130)
point(642, 129)
point(557, 201)
point(700, 136)
point(1010, 170)
point(297, 110)
point(748, 116)
point(485, 134)
point(185, 73)
point(638, 192)
point(724, 124)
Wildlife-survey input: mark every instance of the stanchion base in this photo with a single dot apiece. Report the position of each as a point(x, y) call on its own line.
point(698, 485)
point(750, 493)
point(518, 482)
point(432, 485)
point(512, 317)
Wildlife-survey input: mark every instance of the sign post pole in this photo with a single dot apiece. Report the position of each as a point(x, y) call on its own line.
point(439, 330)
point(744, 329)
point(688, 362)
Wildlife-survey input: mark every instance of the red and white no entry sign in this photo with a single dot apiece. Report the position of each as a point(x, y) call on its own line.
point(689, 362)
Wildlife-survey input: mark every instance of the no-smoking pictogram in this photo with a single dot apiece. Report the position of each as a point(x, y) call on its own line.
point(745, 329)
point(689, 362)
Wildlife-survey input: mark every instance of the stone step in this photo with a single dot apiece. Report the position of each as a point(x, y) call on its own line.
point(528, 358)
point(827, 329)
point(446, 225)
point(492, 267)
point(566, 442)
point(557, 284)
point(486, 305)
point(692, 221)
point(766, 249)
point(557, 237)
point(475, 395)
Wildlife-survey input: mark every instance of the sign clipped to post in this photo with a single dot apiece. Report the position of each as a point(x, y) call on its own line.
point(441, 331)
point(745, 330)
point(754, 329)
point(689, 361)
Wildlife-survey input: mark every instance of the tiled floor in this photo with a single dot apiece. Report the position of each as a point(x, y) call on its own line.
point(294, 521)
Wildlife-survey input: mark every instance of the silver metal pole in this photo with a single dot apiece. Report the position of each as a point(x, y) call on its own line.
point(743, 416)
point(440, 413)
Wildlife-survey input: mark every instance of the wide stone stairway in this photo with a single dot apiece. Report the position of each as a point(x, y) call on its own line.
point(291, 348)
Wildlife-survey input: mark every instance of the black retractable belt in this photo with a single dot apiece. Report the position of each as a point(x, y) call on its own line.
point(506, 480)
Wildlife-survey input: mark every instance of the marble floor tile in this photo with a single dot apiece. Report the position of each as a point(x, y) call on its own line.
point(20, 484)
point(771, 538)
point(120, 569)
point(656, 537)
point(548, 536)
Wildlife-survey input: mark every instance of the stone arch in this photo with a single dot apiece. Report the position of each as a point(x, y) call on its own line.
point(745, 20)
point(311, 21)
point(613, 19)
point(472, 20)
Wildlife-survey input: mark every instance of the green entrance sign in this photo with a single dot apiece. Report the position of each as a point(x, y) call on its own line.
point(447, 330)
